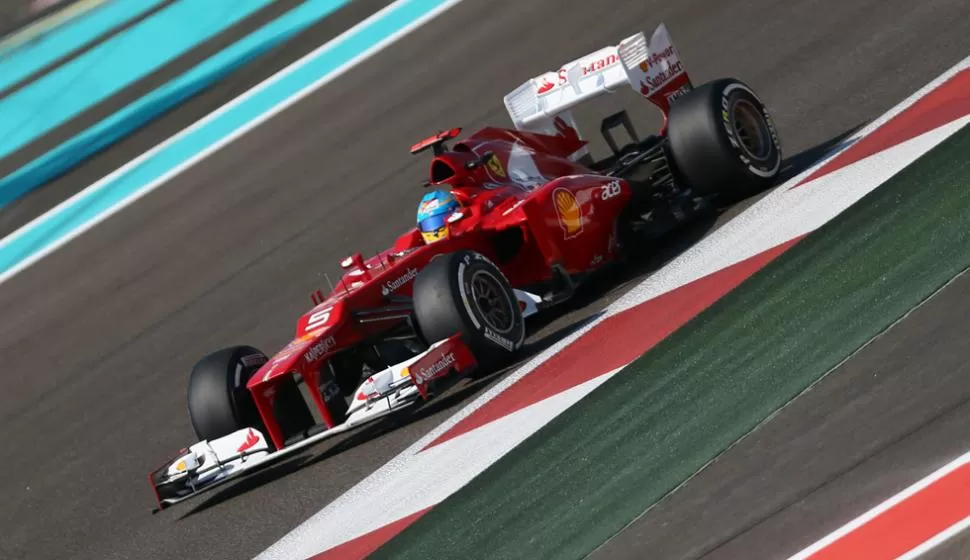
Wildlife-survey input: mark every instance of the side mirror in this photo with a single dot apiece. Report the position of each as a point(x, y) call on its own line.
point(480, 161)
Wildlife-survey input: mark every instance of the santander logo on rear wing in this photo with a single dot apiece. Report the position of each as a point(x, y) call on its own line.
point(653, 69)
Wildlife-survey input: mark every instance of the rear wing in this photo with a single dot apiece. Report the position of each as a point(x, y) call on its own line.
point(653, 69)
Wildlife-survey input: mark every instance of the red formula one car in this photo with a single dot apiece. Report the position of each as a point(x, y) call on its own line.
point(537, 214)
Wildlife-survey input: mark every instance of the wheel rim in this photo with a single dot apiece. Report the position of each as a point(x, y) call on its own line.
point(492, 303)
point(751, 129)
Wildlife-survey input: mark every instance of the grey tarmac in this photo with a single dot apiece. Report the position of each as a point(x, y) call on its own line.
point(98, 337)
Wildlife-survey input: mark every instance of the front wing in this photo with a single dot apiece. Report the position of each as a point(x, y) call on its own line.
point(208, 464)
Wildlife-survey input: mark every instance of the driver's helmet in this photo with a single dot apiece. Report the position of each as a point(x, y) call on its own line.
point(433, 213)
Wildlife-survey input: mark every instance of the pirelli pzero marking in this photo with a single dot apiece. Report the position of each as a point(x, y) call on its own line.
point(523, 216)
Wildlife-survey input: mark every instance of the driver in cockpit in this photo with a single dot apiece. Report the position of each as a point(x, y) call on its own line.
point(436, 211)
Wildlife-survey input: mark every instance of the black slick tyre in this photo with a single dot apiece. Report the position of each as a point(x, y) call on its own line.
point(465, 293)
point(218, 400)
point(723, 140)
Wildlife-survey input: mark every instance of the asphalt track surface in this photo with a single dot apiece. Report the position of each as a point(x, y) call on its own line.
point(889, 416)
point(98, 337)
point(27, 208)
point(78, 51)
point(17, 14)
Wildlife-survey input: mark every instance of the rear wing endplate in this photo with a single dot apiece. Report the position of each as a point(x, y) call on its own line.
point(653, 69)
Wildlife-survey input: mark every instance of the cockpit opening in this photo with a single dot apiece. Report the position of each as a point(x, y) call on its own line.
point(441, 171)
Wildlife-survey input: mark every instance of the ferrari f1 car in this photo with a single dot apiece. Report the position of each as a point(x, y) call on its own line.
point(537, 214)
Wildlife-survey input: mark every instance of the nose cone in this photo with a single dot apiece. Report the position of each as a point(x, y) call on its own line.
point(324, 316)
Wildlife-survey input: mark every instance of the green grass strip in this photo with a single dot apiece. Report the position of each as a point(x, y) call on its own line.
point(580, 479)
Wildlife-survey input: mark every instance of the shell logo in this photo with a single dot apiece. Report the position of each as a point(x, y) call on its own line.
point(569, 211)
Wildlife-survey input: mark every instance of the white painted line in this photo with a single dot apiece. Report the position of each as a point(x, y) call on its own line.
point(428, 477)
point(102, 183)
point(883, 507)
point(936, 541)
point(754, 229)
point(787, 214)
point(728, 245)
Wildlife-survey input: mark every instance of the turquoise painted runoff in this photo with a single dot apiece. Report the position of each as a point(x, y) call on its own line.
point(141, 112)
point(91, 204)
point(106, 69)
point(25, 59)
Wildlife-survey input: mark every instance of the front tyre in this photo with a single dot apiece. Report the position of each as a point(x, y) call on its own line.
point(722, 139)
point(219, 402)
point(464, 293)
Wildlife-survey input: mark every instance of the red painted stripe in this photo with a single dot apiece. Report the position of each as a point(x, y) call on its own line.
point(909, 523)
point(367, 544)
point(943, 105)
point(615, 342)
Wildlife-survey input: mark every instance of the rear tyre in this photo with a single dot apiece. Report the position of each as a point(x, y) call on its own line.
point(722, 139)
point(464, 293)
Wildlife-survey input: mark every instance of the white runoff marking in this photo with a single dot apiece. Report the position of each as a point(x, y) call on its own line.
point(786, 214)
point(937, 540)
point(421, 480)
point(826, 197)
point(884, 507)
